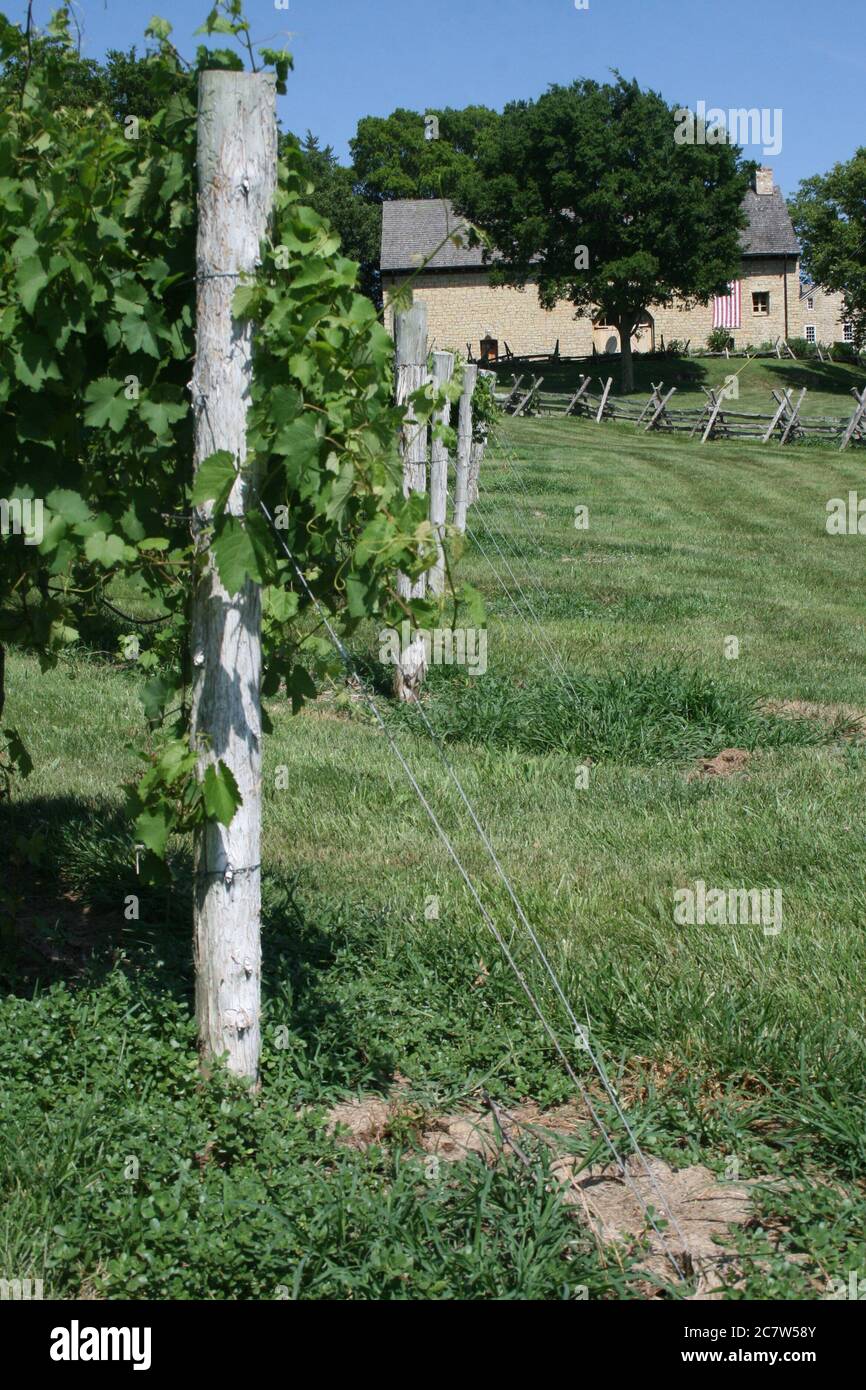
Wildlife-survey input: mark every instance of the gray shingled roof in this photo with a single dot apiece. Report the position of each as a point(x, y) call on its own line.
point(411, 227)
point(769, 232)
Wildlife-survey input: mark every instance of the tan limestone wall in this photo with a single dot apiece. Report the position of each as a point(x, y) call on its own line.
point(463, 308)
point(759, 274)
point(827, 315)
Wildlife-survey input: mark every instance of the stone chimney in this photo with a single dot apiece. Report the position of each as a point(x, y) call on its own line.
point(762, 180)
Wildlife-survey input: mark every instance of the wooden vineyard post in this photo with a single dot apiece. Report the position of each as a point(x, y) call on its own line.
point(478, 449)
point(443, 370)
point(464, 447)
point(237, 170)
point(410, 341)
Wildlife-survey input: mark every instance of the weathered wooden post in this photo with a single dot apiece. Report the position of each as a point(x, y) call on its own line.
point(237, 167)
point(443, 370)
point(464, 446)
point(854, 430)
point(479, 446)
point(410, 341)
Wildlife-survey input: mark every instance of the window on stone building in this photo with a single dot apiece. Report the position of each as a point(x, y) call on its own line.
point(761, 302)
point(810, 302)
point(810, 333)
point(847, 332)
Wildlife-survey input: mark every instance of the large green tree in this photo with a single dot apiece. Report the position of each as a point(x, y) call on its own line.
point(829, 214)
point(587, 192)
point(357, 219)
point(123, 83)
point(410, 155)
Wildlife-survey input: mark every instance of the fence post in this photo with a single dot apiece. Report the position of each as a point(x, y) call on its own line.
point(464, 447)
point(237, 174)
point(410, 341)
point(479, 446)
point(443, 370)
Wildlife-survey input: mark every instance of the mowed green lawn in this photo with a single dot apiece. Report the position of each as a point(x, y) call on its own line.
point(727, 1043)
point(685, 546)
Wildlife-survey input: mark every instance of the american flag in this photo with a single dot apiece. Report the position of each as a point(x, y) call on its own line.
point(727, 307)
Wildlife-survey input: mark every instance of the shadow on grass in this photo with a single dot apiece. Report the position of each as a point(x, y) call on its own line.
point(829, 377)
point(67, 915)
point(683, 372)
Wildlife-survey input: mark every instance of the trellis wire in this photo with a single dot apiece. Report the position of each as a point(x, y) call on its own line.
point(580, 1033)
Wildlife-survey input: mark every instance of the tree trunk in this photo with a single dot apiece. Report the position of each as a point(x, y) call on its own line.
point(443, 370)
point(237, 153)
point(410, 339)
point(464, 447)
point(626, 361)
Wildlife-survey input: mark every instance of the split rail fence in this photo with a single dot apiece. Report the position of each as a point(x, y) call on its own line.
point(717, 418)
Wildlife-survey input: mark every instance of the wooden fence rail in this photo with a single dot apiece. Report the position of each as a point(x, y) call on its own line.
point(714, 420)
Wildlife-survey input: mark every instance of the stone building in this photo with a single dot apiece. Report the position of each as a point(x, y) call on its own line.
point(463, 307)
point(823, 318)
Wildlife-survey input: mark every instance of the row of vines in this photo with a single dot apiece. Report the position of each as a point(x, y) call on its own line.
point(97, 337)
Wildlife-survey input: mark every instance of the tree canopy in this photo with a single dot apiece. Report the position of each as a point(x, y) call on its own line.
point(395, 157)
point(123, 84)
point(586, 191)
point(335, 196)
point(829, 215)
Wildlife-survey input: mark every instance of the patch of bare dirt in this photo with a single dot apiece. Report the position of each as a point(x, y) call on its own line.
point(699, 1211)
point(703, 1208)
point(725, 764)
point(453, 1137)
point(846, 715)
point(367, 1120)
point(361, 1122)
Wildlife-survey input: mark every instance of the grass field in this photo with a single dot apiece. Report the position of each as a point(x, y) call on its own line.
point(123, 1176)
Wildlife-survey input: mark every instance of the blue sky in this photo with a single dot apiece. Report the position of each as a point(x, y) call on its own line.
point(366, 57)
